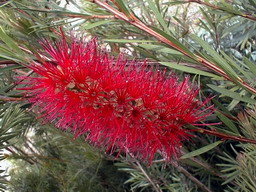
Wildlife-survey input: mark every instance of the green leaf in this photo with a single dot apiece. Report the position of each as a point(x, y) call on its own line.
point(124, 8)
point(216, 57)
point(96, 24)
point(175, 2)
point(204, 25)
point(160, 48)
point(227, 122)
point(221, 107)
point(236, 66)
point(208, 19)
point(175, 42)
point(59, 12)
point(10, 68)
point(128, 40)
point(250, 65)
point(190, 70)
point(3, 56)
point(9, 42)
point(221, 130)
point(5, 3)
point(158, 15)
point(201, 150)
point(9, 54)
point(253, 2)
point(232, 94)
point(229, 8)
point(145, 53)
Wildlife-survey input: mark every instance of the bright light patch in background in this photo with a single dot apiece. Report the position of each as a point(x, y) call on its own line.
point(71, 5)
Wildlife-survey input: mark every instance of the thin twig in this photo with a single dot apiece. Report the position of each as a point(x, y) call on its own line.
point(156, 187)
point(191, 177)
point(18, 82)
point(90, 16)
point(29, 160)
point(7, 62)
point(224, 136)
point(5, 98)
point(205, 165)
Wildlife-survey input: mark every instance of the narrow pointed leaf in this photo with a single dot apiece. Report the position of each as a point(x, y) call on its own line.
point(158, 15)
point(127, 40)
point(8, 68)
point(160, 48)
point(201, 150)
point(124, 8)
point(216, 57)
point(227, 122)
point(250, 65)
point(232, 94)
point(189, 70)
point(96, 24)
point(9, 42)
point(177, 45)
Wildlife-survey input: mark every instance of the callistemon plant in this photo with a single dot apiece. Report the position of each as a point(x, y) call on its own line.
point(125, 107)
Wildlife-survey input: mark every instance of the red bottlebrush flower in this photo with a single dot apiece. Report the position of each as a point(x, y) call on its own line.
point(133, 108)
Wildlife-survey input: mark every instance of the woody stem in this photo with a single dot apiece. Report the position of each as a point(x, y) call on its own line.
point(225, 136)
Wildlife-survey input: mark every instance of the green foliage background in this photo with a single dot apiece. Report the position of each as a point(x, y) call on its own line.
point(212, 41)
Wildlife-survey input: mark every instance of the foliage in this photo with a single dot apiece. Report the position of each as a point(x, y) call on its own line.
point(59, 163)
point(212, 41)
point(242, 169)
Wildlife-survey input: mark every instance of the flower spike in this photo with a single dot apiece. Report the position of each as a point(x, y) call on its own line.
point(132, 108)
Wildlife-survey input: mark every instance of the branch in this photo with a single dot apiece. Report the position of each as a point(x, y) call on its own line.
point(5, 98)
point(191, 177)
point(7, 62)
point(90, 16)
point(224, 136)
point(206, 166)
